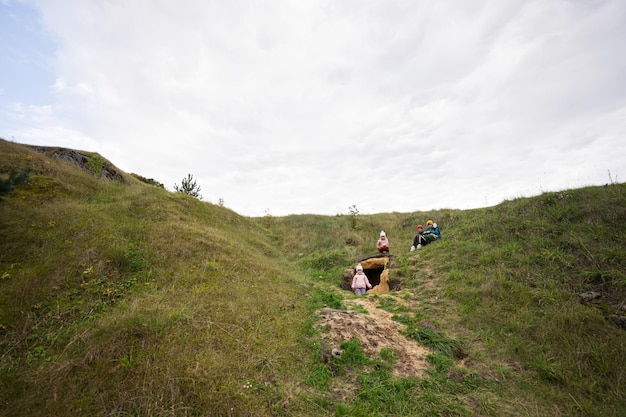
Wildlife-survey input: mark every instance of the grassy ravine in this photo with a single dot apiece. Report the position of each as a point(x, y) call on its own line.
point(129, 300)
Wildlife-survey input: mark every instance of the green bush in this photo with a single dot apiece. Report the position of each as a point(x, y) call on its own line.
point(15, 179)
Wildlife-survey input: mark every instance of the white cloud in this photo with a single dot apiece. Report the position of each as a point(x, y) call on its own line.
point(301, 107)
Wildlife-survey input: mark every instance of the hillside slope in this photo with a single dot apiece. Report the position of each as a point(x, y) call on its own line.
point(534, 289)
point(121, 298)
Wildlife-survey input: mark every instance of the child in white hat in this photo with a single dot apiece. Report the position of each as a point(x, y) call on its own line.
point(383, 244)
point(360, 283)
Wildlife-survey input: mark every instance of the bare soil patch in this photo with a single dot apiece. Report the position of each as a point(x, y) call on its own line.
point(375, 330)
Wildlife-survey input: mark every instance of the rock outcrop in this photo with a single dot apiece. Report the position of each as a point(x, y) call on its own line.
point(88, 161)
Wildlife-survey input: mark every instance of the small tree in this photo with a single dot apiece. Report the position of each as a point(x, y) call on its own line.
point(15, 178)
point(189, 186)
point(354, 211)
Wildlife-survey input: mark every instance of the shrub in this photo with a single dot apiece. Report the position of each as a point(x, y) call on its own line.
point(15, 179)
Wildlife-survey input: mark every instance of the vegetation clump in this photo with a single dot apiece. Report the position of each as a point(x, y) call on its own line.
point(14, 179)
point(150, 181)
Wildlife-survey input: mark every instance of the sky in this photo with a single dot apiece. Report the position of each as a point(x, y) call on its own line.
point(279, 107)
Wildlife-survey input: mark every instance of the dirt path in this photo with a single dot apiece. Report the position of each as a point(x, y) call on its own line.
point(375, 330)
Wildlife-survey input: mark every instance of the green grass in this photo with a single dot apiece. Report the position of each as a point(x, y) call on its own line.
point(121, 299)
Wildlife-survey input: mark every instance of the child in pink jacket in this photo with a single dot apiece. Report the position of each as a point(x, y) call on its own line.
point(360, 283)
point(383, 243)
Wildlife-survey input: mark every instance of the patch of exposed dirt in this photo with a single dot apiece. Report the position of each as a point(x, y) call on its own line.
point(375, 330)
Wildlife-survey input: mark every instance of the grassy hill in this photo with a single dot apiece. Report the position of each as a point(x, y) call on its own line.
point(120, 298)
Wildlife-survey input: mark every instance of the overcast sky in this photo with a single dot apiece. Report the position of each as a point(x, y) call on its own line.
point(311, 106)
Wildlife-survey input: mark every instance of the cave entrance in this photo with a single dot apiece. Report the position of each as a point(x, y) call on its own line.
point(373, 274)
point(374, 268)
